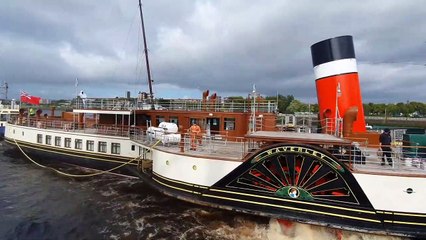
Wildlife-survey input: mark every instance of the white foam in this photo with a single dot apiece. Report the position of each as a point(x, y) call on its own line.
point(248, 230)
point(300, 231)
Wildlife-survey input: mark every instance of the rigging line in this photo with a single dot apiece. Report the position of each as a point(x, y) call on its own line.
point(139, 65)
point(125, 42)
point(151, 93)
point(75, 175)
point(154, 145)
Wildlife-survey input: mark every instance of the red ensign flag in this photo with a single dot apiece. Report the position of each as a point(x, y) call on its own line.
point(26, 98)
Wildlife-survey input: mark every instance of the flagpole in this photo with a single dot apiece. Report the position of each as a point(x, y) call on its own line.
point(76, 92)
point(76, 100)
point(337, 114)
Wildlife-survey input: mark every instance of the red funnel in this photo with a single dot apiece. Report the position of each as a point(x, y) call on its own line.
point(337, 82)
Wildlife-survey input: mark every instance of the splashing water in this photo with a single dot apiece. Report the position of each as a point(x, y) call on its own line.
point(300, 231)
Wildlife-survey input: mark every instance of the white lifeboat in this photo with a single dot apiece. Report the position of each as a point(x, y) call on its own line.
point(166, 132)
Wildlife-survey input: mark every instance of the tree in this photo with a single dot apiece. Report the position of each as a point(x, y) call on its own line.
point(297, 106)
point(236, 99)
point(283, 102)
point(287, 104)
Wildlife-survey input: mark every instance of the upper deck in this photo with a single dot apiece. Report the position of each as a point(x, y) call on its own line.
point(242, 148)
point(297, 137)
point(406, 159)
point(219, 105)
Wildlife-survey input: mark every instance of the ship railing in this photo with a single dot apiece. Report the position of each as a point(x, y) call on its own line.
point(202, 144)
point(309, 124)
point(361, 155)
point(72, 126)
point(300, 122)
point(234, 147)
point(369, 157)
point(173, 104)
point(9, 104)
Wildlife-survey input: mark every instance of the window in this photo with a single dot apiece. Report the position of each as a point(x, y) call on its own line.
point(229, 124)
point(48, 140)
point(115, 148)
point(90, 145)
point(192, 121)
point(58, 141)
point(67, 142)
point(102, 147)
point(39, 138)
point(133, 147)
point(174, 120)
point(160, 119)
point(78, 144)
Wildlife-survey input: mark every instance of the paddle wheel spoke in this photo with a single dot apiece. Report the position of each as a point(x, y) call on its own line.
point(269, 175)
point(305, 172)
point(290, 165)
point(318, 177)
point(296, 172)
point(282, 169)
point(252, 182)
point(330, 184)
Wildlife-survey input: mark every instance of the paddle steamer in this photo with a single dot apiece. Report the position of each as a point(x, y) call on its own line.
point(326, 174)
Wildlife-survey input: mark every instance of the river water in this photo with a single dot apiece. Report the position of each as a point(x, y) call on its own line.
point(36, 203)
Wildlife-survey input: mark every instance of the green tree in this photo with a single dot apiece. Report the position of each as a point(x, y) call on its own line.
point(283, 102)
point(236, 99)
point(297, 106)
point(314, 108)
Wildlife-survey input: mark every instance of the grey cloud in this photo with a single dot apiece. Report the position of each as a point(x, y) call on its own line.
point(222, 45)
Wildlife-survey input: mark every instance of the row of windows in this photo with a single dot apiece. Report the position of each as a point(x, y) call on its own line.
point(228, 123)
point(78, 144)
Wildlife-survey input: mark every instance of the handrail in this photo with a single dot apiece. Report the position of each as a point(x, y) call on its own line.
point(405, 157)
point(173, 104)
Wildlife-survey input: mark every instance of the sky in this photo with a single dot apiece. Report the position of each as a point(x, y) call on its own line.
point(195, 45)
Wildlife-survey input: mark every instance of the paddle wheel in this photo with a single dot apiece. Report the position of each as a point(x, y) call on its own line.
point(300, 172)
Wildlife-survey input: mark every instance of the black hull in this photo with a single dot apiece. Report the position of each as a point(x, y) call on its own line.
point(47, 155)
point(354, 213)
point(339, 217)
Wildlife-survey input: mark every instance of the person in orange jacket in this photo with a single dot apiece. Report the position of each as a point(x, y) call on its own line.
point(194, 132)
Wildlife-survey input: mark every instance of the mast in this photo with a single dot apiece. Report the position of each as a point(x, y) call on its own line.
point(151, 94)
point(4, 87)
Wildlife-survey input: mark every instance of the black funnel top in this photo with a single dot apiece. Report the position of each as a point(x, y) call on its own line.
point(332, 49)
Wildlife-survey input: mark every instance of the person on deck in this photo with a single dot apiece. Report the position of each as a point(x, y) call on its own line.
point(385, 140)
point(194, 131)
point(32, 112)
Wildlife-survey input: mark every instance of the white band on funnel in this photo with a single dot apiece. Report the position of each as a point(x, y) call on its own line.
point(337, 67)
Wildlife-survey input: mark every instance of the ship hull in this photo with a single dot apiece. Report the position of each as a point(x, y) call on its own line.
point(47, 156)
point(327, 193)
point(329, 215)
point(246, 189)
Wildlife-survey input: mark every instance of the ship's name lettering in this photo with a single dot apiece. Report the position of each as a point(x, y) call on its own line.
point(294, 149)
